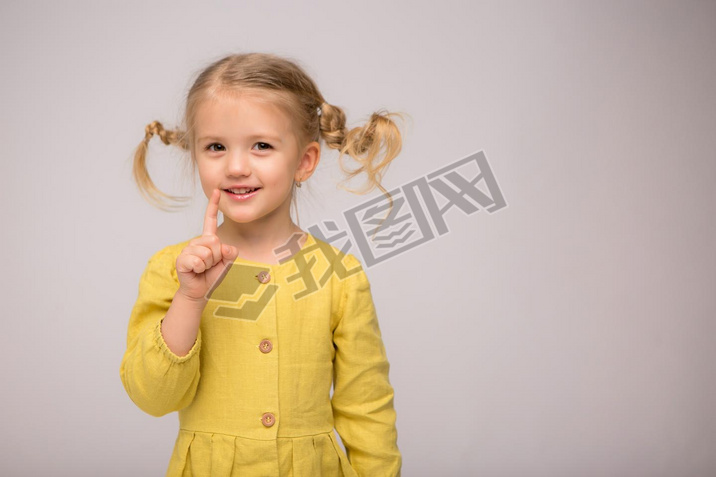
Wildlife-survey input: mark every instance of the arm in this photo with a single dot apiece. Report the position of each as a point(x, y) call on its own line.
point(157, 379)
point(362, 400)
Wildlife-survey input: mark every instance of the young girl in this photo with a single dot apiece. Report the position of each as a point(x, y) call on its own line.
point(243, 343)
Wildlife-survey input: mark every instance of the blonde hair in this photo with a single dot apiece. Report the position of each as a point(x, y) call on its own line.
point(284, 83)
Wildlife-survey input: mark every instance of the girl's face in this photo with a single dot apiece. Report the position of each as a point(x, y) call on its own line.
point(244, 142)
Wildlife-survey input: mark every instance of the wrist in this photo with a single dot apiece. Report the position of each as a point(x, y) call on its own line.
point(190, 301)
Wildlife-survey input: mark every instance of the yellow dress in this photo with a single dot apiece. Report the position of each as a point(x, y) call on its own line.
point(253, 395)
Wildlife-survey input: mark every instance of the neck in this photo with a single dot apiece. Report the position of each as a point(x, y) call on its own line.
point(257, 242)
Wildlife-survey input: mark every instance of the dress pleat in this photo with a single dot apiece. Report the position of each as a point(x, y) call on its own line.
point(221, 455)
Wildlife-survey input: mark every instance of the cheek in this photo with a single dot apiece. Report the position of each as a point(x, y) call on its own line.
point(272, 177)
point(203, 177)
point(279, 184)
point(207, 169)
point(208, 178)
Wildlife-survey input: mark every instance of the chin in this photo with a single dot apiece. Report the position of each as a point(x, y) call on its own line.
point(241, 220)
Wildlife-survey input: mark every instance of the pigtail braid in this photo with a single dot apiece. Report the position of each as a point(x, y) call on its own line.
point(363, 144)
point(139, 169)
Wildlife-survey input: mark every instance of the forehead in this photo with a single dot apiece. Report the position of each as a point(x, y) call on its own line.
point(236, 114)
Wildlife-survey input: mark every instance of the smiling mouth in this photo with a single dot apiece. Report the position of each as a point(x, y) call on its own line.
point(247, 191)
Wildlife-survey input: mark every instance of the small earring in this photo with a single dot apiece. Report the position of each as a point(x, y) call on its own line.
point(298, 183)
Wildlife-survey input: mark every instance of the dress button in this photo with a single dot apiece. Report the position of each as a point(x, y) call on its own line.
point(265, 346)
point(268, 419)
point(263, 276)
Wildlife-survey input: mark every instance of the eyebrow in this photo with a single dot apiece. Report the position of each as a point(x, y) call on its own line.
point(254, 136)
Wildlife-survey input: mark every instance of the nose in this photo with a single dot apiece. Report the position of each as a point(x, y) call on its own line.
point(238, 164)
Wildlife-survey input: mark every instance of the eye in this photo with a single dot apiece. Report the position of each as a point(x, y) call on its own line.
point(213, 144)
point(268, 146)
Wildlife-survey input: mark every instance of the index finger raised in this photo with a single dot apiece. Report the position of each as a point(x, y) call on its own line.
point(212, 210)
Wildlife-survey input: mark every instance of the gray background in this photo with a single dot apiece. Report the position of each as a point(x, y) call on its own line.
point(570, 333)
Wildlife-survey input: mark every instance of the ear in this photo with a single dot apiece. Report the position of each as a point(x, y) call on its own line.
point(309, 161)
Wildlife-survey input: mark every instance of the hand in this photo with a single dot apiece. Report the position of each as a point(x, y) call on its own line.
point(204, 261)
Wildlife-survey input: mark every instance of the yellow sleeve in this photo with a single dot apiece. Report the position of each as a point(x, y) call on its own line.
point(362, 399)
point(157, 380)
